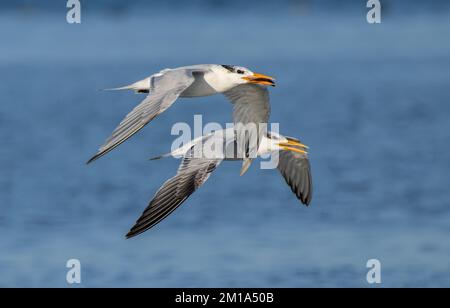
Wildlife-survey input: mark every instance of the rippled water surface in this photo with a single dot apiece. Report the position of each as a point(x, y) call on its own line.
point(372, 102)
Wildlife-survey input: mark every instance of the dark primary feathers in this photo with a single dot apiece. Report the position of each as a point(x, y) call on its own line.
point(191, 174)
point(296, 170)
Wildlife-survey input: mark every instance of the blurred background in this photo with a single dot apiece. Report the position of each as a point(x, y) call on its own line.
point(371, 101)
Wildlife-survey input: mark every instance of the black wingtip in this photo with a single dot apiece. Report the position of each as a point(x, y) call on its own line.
point(156, 158)
point(131, 234)
point(306, 200)
point(93, 158)
point(99, 154)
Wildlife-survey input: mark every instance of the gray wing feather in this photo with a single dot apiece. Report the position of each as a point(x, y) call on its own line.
point(165, 88)
point(251, 106)
point(192, 173)
point(251, 103)
point(296, 170)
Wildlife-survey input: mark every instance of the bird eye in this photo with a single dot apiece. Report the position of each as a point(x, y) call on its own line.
point(240, 72)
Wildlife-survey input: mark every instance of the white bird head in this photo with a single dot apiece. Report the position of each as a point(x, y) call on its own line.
point(276, 142)
point(242, 75)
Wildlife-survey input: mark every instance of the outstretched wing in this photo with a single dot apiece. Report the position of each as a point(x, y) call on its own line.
point(192, 173)
point(296, 170)
point(251, 113)
point(165, 88)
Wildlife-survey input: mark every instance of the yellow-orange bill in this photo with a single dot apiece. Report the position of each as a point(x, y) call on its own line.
point(296, 143)
point(262, 79)
point(294, 149)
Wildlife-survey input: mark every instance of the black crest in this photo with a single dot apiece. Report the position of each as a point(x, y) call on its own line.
point(228, 67)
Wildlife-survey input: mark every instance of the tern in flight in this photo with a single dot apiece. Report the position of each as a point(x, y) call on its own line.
point(199, 161)
point(244, 88)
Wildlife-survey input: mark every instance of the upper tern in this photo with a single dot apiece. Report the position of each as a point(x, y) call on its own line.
point(244, 88)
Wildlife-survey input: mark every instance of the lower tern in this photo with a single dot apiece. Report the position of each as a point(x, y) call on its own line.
point(198, 162)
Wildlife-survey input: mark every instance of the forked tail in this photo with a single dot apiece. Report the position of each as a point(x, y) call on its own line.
point(141, 86)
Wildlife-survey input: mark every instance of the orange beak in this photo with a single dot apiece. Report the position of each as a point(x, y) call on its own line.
point(260, 79)
point(294, 146)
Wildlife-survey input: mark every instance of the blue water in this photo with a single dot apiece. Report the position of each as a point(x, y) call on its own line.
point(371, 101)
